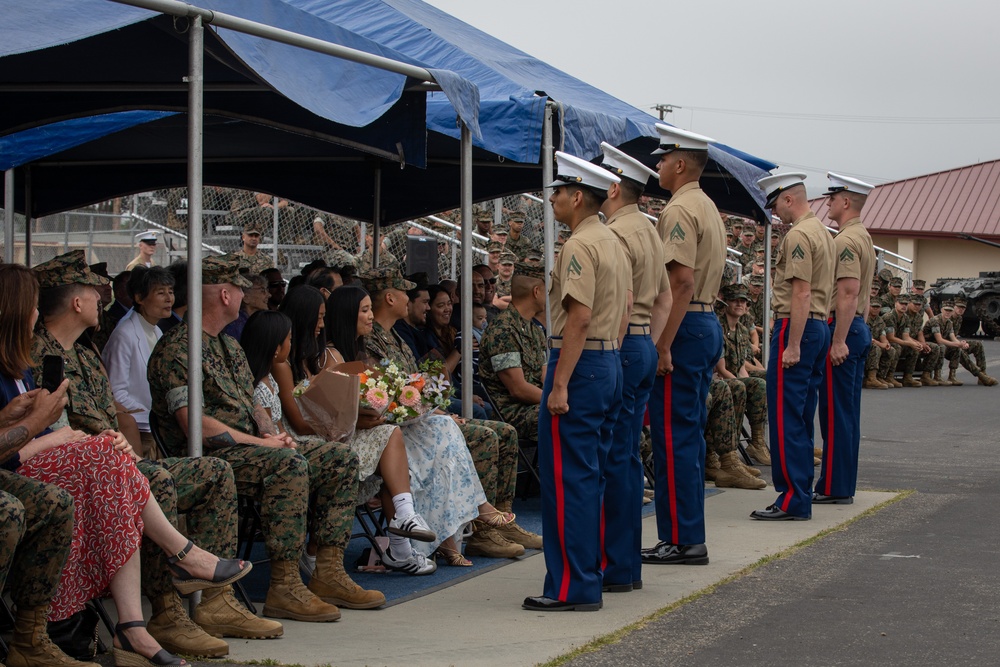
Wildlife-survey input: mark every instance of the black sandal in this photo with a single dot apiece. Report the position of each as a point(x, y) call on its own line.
point(227, 570)
point(126, 656)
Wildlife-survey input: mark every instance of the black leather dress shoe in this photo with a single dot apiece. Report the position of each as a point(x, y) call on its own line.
point(772, 513)
point(617, 588)
point(637, 585)
point(542, 603)
point(675, 554)
point(820, 499)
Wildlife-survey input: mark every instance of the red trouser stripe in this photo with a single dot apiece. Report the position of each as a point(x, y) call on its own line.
point(604, 554)
point(781, 415)
point(668, 437)
point(829, 426)
point(557, 465)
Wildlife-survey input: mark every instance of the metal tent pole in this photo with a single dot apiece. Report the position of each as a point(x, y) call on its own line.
point(466, 282)
point(8, 213)
point(27, 217)
point(274, 229)
point(377, 218)
point(196, 82)
point(548, 220)
point(765, 343)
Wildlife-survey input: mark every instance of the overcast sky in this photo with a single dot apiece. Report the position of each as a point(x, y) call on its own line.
point(878, 89)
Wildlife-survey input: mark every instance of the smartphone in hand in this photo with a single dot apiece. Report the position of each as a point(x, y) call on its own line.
point(52, 372)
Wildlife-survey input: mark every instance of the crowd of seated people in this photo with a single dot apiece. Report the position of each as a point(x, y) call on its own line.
point(445, 484)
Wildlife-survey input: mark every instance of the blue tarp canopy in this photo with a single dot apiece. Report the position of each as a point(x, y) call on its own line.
point(73, 58)
point(507, 153)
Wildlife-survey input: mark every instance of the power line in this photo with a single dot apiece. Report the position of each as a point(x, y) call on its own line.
point(818, 170)
point(847, 118)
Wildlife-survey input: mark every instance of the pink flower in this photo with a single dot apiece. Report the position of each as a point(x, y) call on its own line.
point(377, 398)
point(409, 396)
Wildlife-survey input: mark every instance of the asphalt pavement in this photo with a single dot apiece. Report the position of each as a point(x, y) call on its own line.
point(915, 583)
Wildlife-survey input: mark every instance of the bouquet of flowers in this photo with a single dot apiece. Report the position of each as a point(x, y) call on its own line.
point(405, 397)
point(326, 405)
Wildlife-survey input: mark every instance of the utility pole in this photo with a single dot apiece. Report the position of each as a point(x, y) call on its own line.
point(665, 109)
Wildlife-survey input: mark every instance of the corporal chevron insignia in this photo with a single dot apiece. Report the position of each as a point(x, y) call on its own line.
point(574, 266)
point(798, 253)
point(677, 233)
point(846, 256)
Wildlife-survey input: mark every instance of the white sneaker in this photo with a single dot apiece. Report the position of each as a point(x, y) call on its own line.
point(416, 564)
point(307, 563)
point(412, 527)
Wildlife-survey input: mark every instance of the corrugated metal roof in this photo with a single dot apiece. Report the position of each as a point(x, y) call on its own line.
point(946, 204)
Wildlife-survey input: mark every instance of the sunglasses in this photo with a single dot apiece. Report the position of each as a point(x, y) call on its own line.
point(276, 284)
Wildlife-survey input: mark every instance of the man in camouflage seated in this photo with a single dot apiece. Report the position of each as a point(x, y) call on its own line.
point(200, 489)
point(512, 353)
point(722, 432)
point(281, 473)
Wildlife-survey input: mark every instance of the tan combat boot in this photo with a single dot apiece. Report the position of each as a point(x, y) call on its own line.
point(937, 378)
point(288, 597)
point(953, 377)
point(908, 381)
point(30, 645)
point(486, 541)
point(750, 469)
point(986, 380)
point(711, 465)
point(173, 628)
point(514, 533)
point(872, 382)
point(893, 382)
point(220, 614)
point(758, 450)
point(732, 475)
point(331, 583)
point(927, 380)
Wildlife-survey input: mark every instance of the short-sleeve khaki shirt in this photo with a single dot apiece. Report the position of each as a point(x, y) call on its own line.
point(592, 269)
point(855, 259)
point(645, 254)
point(807, 253)
point(693, 235)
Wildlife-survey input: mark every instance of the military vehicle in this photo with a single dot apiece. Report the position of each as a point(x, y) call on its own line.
point(983, 295)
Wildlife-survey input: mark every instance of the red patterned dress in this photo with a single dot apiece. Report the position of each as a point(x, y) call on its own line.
point(109, 494)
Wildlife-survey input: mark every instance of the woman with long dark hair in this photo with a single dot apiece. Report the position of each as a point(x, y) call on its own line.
point(113, 505)
point(305, 307)
point(447, 490)
point(382, 463)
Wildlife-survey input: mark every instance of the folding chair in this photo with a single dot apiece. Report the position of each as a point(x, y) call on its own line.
point(523, 445)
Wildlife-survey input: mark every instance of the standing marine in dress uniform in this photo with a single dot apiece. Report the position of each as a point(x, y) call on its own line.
point(694, 250)
point(147, 247)
point(623, 492)
point(850, 340)
point(583, 387)
point(802, 289)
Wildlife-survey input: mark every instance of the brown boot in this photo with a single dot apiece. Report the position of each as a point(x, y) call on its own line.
point(30, 645)
point(173, 628)
point(514, 533)
point(927, 380)
point(732, 475)
point(872, 382)
point(953, 377)
point(937, 378)
point(750, 469)
point(711, 466)
point(220, 614)
point(908, 381)
point(891, 380)
point(486, 541)
point(758, 449)
point(986, 380)
point(288, 597)
point(331, 584)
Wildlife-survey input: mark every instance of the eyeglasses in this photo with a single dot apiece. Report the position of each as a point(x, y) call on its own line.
point(276, 284)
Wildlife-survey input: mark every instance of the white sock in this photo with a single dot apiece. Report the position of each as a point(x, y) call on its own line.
point(400, 546)
point(403, 503)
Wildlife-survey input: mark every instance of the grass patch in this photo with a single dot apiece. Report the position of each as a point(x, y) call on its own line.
point(616, 636)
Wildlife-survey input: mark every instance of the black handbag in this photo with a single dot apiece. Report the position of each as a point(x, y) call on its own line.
point(76, 636)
